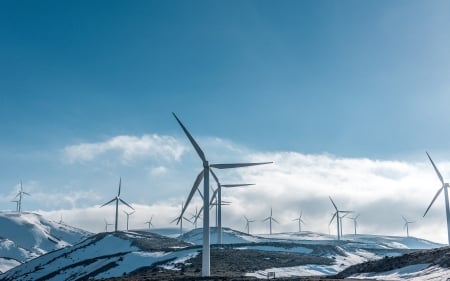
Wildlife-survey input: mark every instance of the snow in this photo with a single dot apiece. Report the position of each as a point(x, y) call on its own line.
point(299, 250)
point(416, 272)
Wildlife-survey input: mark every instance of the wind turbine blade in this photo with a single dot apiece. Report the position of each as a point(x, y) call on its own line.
point(213, 196)
point(26, 193)
point(333, 203)
point(112, 200)
point(120, 185)
point(434, 198)
point(404, 219)
point(357, 216)
point(175, 219)
point(215, 177)
point(123, 201)
point(191, 139)
point(332, 218)
point(246, 218)
point(437, 171)
point(236, 185)
point(237, 165)
point(198, 214)
point(266, 219)
point(275, 220)
point(191, 194)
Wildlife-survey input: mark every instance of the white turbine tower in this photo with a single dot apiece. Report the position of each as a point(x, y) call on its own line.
point(128, 216)
point(300, 221)
point(218, 193)
point(270, 219)
point(205, 175)
point(106, 225)
point(338, 218)
point(20, 195)
point(444, 187)
point(355, 223)
point(150, 224)
point(247, 224)
point(117, 199)
point(406, 225)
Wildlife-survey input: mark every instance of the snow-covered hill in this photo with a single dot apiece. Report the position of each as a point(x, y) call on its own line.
point(29, 235)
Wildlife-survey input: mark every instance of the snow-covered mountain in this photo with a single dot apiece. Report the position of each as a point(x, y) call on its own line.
point(28, 235)
point(121, 254)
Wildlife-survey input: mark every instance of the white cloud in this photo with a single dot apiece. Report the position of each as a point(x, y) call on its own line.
point(157, 171)
point(129, 148)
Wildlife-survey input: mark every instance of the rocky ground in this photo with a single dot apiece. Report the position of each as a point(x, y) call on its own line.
point(228, 264)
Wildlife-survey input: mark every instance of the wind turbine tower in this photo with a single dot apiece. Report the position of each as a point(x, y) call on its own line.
point(128, 216)
point(270, 219)
point(300, 221)
point(205, 175)
point(247, 224)
point(117, 199)
point(355, 223)
point(406, 225)
point(444, 187)
point(20, 195)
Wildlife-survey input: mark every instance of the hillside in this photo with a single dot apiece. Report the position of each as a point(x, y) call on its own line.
point(29, 235)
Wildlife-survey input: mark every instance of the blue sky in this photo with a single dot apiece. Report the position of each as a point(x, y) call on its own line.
point(351, 79)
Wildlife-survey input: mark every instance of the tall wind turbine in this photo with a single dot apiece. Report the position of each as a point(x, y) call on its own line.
point(218, 193)
point(128, 216)
point(117, 199)
point(444, 187)
point(247, 224)
point(270, 219)
point(150, 224)
point(338, 218)
point(106, 225)
point(205, 175)
point(20, 195)
point(355, 223)
point(300, 221)
point(406, 225)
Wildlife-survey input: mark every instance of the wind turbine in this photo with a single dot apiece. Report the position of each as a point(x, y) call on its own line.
point(338, 218)
point(205, 175)
point(247, 224)
point(195, 217)
point(150, 224)
point(218, 193)
point(271, 218)
point(406, 225)
point(444, 187)
point(106, 225)
point(117, 199)
point(355, 223)
point(181, 221)
point(20, 195)
point(128, 216)
point(300, 221)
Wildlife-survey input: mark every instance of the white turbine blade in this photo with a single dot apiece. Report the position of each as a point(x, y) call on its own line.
point(333, 203)
point(246, 218)
point(123, 201)
point(332, 218)
point(213, 196)
point(215, 177)
point(266, 219)
point(237, 165)
point(191, 194)
point(197, 216)
point(186, 219)
point(236, 185)
point(112, 200)
point(432, 201)
point(275, 220)
point(191, 139)
point(437, 171)
point(26, 193)
point(120, 185)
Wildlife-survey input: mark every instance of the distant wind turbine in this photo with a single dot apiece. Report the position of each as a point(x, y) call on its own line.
point(444, 187)
point(20, 195)
point(218, 196)
point(247, 224)
point(181, 221)
point(270, 219)
point(150, 224)
point(355, 223)
point(406, 225)
point(300, 221)
point(106, 225)
point(128, 216)
point(195, 217)
point(205, 175)
point(117, 199)
point(338, 218)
